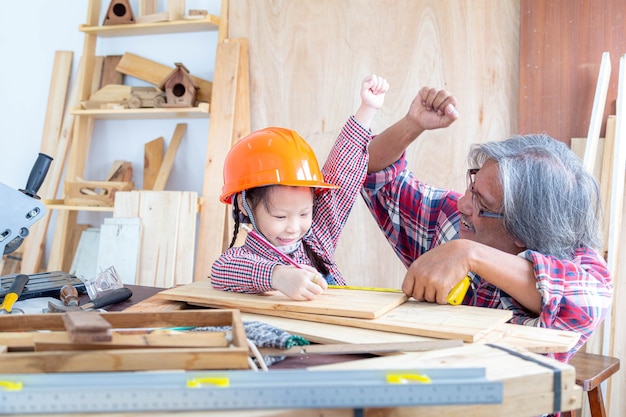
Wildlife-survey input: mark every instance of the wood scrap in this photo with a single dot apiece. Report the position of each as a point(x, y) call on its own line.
point(109, 74)
point(112, 94)
point(176, 9)
point(152, 160)
point(86, 327)
point(154, 18)
point(153, 73)
point(120, 171)
point(127, 340)
point(147, 7)
point(360, 348)
point(168, 162)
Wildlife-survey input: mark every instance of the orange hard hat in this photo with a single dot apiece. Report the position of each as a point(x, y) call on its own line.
point(270, 156)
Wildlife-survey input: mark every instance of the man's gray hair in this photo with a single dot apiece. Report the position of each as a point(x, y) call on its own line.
point(551, 201)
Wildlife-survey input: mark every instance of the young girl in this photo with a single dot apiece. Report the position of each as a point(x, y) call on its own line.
point(272, 179)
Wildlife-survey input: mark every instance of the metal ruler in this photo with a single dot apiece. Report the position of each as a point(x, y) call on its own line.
point(242, 389)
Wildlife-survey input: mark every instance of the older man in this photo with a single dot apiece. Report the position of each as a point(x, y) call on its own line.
point(524, 231)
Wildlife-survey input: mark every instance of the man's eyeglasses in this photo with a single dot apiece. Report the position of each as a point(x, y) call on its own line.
point(471, 176)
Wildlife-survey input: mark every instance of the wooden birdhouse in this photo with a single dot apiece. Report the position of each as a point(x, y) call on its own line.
point(119, 13)
point(179, 87)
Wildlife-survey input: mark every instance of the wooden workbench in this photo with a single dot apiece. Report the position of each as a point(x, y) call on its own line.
point(532, 383)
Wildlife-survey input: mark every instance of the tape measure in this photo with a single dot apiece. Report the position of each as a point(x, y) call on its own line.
point(353, 287)
point(238, 389)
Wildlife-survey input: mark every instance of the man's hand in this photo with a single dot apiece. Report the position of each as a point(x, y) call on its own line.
point(433, 109)
point(432, 276)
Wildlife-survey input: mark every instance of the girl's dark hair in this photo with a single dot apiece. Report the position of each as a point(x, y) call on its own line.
point(258, 195)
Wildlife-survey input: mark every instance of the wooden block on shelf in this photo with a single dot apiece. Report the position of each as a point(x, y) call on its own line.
point(153, 18)
point(109, 74)
point(121, 171)
point(94, 193)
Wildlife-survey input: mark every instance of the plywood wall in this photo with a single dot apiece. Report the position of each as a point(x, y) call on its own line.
point(307, 59)
point(561, 46)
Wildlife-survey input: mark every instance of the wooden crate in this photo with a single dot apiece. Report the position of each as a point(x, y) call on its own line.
point(94, 193)
point(18, 332)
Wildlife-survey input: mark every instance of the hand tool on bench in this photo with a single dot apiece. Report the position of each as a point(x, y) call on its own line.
point(13, 295)
point(112, 297)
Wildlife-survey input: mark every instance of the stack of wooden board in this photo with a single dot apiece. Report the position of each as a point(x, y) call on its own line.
point(387, 311)
point(402, 321)
point(138, 343)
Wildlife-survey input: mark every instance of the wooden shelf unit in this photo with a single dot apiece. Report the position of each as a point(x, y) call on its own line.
point(232, 115)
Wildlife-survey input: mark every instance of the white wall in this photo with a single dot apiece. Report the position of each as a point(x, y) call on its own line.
point(31, 32)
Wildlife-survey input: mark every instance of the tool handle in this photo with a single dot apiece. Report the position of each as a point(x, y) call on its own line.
point(112, 297)
point(37, 175)
point(69, 295)
point(19, 282)
point(457, 293)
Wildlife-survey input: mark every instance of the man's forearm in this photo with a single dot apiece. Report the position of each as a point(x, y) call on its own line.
point(388, 146)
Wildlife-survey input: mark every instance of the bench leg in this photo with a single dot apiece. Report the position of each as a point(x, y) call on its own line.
point(596, 402)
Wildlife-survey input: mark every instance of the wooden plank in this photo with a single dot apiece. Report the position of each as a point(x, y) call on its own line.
point(176, 9)
point(597, 112)
point(154, 73)
point(578, 145)
point(533, 339)
point(85, 260)
point(47, 341)
point(421, 319)
point(156, 304)
point(606, 179)
point(353, 348)
point(53, 143)
point(615, 340)
point(59, 84)
point(212, 233)
point(333, 302)
point(153, 157)
point(147, 7)
point(166, 248)
point(119, 246)
point(170, 155)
